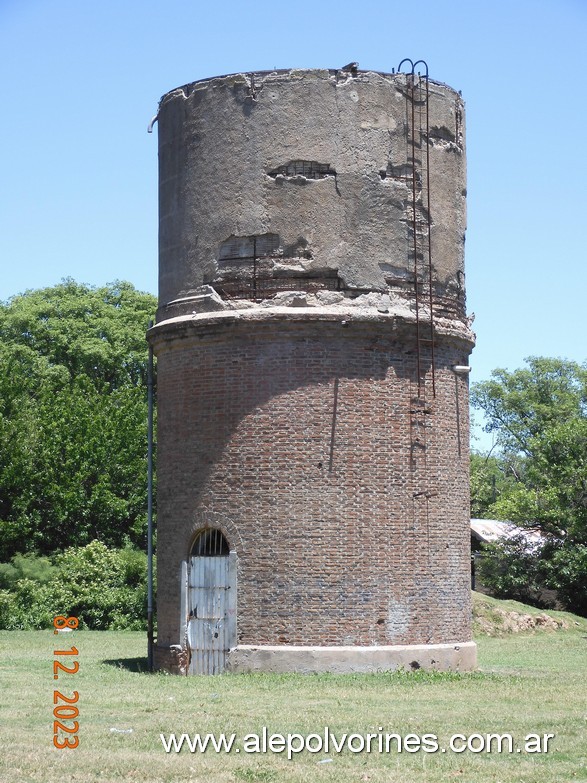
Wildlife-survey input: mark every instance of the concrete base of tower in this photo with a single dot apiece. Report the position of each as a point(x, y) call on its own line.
point(345, 660)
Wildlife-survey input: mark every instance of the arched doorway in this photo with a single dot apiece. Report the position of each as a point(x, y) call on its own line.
point(211, 629)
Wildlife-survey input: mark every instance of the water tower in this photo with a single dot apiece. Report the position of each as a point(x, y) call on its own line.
point(312, 348)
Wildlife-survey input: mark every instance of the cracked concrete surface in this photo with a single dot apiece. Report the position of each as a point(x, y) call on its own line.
point(225, 143)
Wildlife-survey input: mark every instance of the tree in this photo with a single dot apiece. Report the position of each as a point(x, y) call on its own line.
point(539, 417)
point(98, 332)
point(73, 417)
point(491, 477)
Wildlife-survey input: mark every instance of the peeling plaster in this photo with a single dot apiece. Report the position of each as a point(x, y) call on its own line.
point(222, 178)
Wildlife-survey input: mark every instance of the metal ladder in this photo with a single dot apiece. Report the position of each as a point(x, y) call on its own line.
point(420, 249)
point(420, 257)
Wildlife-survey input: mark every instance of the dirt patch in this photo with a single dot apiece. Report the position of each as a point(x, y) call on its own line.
point(495, 621)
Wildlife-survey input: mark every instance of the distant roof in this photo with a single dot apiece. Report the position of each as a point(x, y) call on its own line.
point(490, 530)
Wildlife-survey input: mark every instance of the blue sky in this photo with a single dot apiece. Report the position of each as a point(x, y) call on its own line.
point(80, 82)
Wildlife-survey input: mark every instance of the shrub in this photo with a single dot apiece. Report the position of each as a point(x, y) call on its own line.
point(566, 572)
point(104, 588)
point(510, 570)
point(27, 566)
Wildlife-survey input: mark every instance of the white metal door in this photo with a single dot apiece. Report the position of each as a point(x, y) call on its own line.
point(211, 627)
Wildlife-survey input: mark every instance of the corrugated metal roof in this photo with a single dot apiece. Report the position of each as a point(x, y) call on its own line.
point(490, 530)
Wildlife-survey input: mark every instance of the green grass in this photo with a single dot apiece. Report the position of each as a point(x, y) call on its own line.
point(525, 684)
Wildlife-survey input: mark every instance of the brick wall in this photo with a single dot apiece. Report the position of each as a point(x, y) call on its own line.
point(346, 499)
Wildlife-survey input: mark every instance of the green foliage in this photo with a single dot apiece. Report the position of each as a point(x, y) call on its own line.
point(84, 330)
point(7, 608)
point(73, 417)
point(566, 572)
point(539, 417)
point(77, 470)
point(29, 566)
point(491, 477)
point(104, 588)
point(73, 411)
point(511, 570)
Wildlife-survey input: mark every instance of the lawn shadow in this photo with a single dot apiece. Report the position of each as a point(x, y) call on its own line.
point(136, 665)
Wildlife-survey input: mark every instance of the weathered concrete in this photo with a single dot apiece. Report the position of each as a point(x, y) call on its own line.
point(398, 317)
point(355, 659)
point(225, 145)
